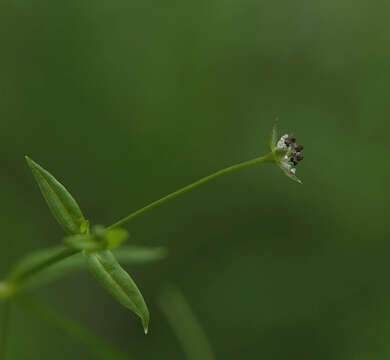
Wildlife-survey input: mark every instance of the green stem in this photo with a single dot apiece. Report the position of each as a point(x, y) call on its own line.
point(16, 282)
point(97, 347)
point(30, 266)
point(259, 160)
point(5, 330)
point(58, 256)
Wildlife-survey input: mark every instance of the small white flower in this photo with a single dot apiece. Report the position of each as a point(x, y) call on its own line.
point(286, 153)
point(282, 142)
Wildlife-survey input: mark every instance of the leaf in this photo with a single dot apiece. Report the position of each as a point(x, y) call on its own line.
point(118, 283)
point(61, 203)
point(140, 254)
point(128, 255)
point(185, 324)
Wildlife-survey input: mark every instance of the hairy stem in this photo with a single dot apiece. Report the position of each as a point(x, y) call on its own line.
point(259, 160)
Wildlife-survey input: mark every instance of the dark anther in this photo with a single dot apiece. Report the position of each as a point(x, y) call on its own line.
point(294, 160)
point(293, 140)
point(299, 148)
point(299, 157)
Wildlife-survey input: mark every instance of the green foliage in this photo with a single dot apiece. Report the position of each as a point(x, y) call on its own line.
point(184, 323)
point(118, 283)
point(61, 203)
point(94, 251)
point(129, 255)
point(100, 259)
point(101, 239)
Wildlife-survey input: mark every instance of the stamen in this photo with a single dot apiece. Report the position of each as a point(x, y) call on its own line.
point(292, 156)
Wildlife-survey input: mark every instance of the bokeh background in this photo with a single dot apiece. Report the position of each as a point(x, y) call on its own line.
point(126, 101)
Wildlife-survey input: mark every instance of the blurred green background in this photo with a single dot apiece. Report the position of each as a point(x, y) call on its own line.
point(126, 101)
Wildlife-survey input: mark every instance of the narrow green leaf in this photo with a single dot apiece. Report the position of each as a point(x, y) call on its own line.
point(185, 324)
point(140, 254)
point(118, 283)
point(61, 203)
point(132, 255)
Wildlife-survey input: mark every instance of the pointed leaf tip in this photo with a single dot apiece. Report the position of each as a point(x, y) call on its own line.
point(30, 163)
point(146, 327)
point(118, 283)
point(61, 203)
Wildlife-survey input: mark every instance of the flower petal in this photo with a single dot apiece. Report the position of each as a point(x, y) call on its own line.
point(286, 168)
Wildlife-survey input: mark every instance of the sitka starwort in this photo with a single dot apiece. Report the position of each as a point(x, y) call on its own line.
point(98, 248)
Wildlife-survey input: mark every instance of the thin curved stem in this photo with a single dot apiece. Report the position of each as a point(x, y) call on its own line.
point(16, 281)
point(259, 160)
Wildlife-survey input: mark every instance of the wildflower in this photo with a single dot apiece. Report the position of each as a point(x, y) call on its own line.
point(287, 154)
